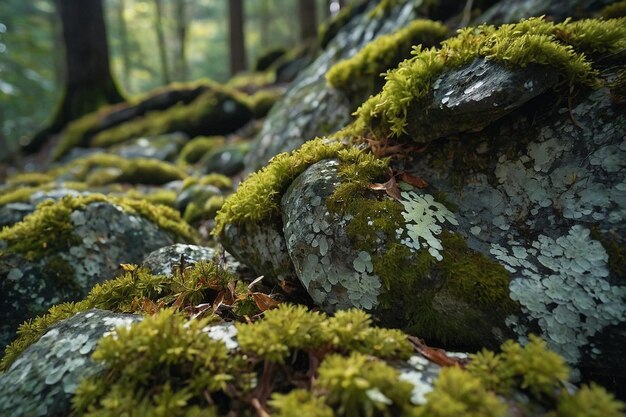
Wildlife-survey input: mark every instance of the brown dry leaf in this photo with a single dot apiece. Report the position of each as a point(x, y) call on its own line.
point(390, 187)
point(264, 301)
point(414, 180)
point(435, 355)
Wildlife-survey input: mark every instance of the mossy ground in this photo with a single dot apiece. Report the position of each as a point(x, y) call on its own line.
point(196, 148)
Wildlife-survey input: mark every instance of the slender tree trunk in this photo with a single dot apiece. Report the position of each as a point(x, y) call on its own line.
point(123, 33)
point(237, 40)
point(265, 23)
point(161, 41)
point(88, 80)
point(308, 19)
point(180, 14)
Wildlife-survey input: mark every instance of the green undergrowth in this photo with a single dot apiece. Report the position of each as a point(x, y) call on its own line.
point(359, 75)
point(296, 362)
point(565, 47)
point(258, 197)
point(49, 229)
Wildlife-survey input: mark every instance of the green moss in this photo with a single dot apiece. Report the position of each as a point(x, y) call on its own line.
point(384, 7)
point(158, 196)
point(258, 197)
point(458, 393)
point(589, 401)
point(300, 403)
point(534, 41)
point(359, 76)
point(615, 10)
point(29, 179)
point(196, 148)
point(103, 169)
point(181, 367)
point(218, 180)
point(350, 383)
point(49, 229)
point(532, 368)
point(262, 101)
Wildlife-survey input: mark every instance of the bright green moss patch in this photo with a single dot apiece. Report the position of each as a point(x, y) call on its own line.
point(359, 75)
point(196, 148)
point(49, 229)
point(300, 403)
point(589, 401)
point(561, 46)
point(532, 368)
point(258, 197)
point(458, 393)
point(167, 361)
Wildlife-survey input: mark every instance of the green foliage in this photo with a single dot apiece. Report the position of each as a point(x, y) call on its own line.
point(300, 403)
point(589, 401)
point(534, 41)
point(359, 385)
point(458, 393)
point(196, 148)
point(218, 180)
point(533, 368)
point(258, 197)
point(360, 73)
point(140, 364)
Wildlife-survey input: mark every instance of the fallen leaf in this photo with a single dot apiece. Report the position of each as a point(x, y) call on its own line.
point(263, 301)
point(414, 180)
point(390, 187)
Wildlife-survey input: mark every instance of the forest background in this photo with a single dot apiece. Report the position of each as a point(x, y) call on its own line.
point(151, 43)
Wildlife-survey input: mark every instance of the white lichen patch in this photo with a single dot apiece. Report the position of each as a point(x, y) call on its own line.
point(226, 333)
point(420, 373)
point(565, 288)
point(424, 217)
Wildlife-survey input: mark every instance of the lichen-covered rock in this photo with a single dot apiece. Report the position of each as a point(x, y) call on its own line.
point(310, 107)
point(509, 11)
point(64, 248)
point(261, 247)
point(42, 381)
point(163, 260)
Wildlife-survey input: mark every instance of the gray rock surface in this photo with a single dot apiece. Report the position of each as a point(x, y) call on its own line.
point(310, 108)
point(108, 236)
point(161, 261)
point(42, 381)
point(510, 11)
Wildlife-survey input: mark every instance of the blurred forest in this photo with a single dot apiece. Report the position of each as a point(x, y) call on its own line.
point(151, 43)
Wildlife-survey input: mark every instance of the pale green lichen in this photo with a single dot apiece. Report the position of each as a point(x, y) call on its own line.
point(360, 73)
point(561, 46)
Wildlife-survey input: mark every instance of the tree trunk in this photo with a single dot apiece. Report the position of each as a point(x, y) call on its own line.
point(161, 41)
point(236, 39)
point(88, 80)
point(265, 20)
point(123, 33)
point(180, 14)
point(308, 20)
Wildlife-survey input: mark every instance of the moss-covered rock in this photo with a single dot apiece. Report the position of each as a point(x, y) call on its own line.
point(196, 148)
point(64, 248)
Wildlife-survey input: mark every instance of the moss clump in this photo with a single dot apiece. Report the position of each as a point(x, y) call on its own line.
point(290, 328)
point(615, 10)
point(196, 148)
point(384, 7)
point(359, 76)
point(103, 169)
point(168, 363)
point(262, 101)
point(300, 403)
point(158, 196)
point(358, 385)
point(258, 197)
point(29, 179)
point(458, 393)
point(562, 46)
point(218, 180)
point(589, 401)
point(532, 368)
point(49, 229)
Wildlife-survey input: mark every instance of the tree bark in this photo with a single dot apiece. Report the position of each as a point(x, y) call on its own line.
point(308, 20)
point(123, 33)
point(158, 25)
point(88, 80)
point(236, 39)
point(180, 14)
